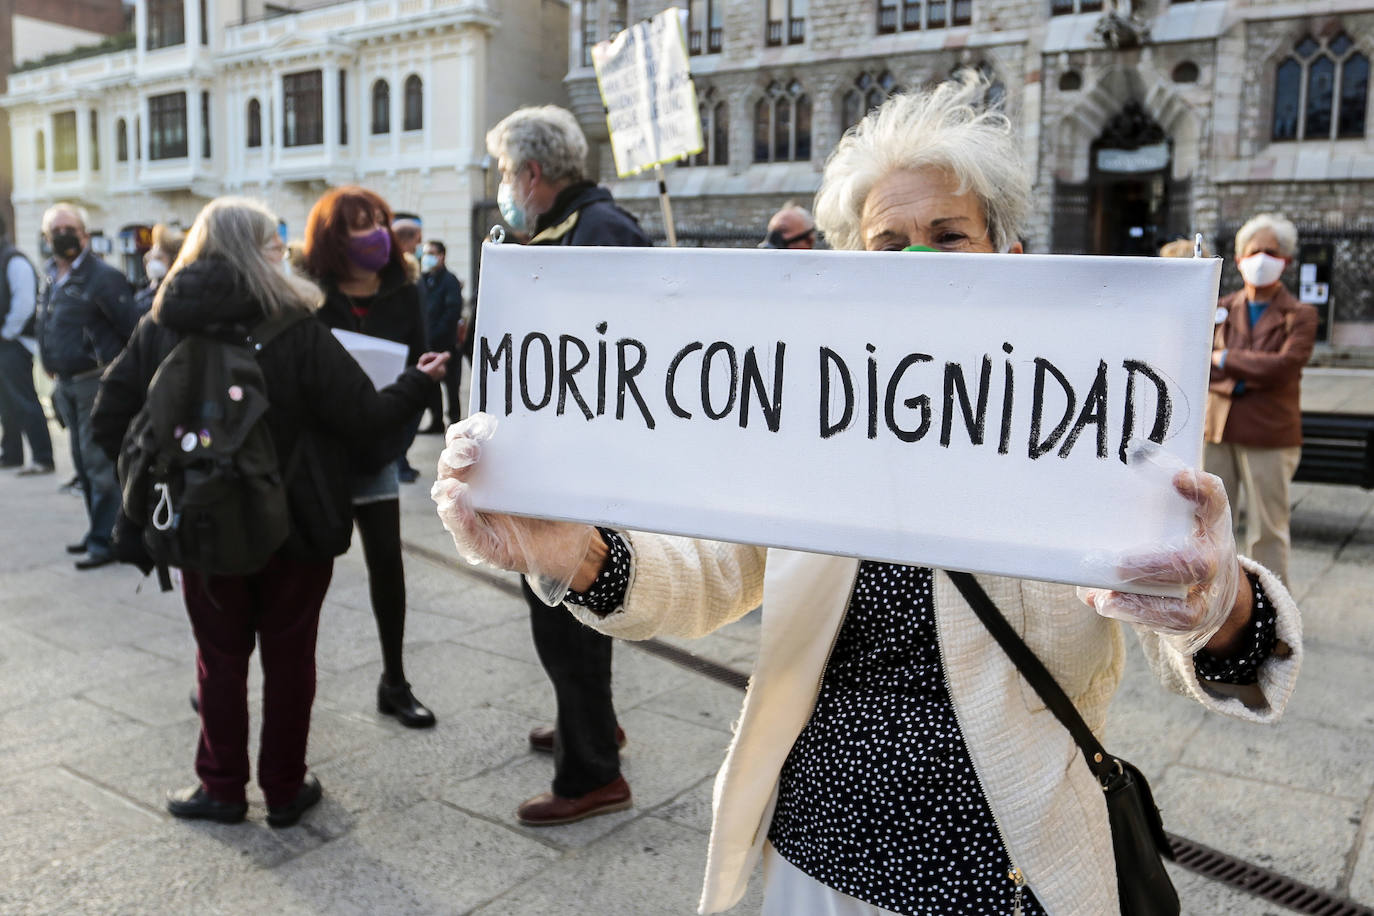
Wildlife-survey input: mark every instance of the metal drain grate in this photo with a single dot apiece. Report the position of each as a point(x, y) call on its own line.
point(1203, 860)
point(1261, 882)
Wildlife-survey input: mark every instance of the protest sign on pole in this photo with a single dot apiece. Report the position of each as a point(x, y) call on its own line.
point(962, 411)
point(651, 104)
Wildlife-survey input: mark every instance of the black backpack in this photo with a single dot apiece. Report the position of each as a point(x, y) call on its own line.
point(199, 469)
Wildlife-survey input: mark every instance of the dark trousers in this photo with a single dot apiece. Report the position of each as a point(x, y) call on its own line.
point(577, 660)
point(73, 399)
point(379, 528)
point(448, 387)
point(280, 608)
point(21, 416)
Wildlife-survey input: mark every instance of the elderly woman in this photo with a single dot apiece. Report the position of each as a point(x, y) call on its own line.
point(1253, 427)
point(889, 757)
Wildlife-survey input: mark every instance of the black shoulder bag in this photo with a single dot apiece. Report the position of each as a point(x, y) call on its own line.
point(1138, 837)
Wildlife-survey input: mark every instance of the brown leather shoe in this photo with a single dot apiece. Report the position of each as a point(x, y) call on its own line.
point(541, 738)
point(548, 809)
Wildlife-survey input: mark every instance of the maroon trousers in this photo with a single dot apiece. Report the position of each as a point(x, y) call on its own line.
point(279, 608)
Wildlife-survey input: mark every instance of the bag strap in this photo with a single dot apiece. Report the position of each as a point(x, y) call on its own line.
point(265, 331)
point(1099, 761)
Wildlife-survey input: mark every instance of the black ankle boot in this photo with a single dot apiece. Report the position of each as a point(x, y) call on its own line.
point(398, 701)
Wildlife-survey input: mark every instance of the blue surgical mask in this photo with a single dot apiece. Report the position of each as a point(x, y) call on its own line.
point(511, 212)
point(429, 262)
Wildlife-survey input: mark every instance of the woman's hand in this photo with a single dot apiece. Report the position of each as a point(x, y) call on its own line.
point(434, 365)
point(1215, 607)
point(554, 556)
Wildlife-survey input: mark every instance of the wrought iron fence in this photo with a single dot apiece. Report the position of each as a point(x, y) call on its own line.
point(1352, 265)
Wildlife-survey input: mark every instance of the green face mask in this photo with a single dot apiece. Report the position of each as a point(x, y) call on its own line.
point(918, 248)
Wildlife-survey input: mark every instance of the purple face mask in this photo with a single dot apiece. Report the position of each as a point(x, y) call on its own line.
point(371, 251)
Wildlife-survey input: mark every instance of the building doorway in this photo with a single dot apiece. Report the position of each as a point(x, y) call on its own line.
point(1130, 204)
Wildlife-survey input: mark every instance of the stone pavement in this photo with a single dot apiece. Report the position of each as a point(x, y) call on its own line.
point(95, 669)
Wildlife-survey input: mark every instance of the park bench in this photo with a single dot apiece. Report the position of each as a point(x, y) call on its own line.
point(1337, 448)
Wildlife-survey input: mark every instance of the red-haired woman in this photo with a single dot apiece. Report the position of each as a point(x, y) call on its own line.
point(350, 251)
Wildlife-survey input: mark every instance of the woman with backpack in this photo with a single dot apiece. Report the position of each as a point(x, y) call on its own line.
point(228, 283)
point(369, 289)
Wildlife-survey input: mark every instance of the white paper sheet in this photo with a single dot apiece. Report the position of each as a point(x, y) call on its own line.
point(720, 434)
point(383, 360)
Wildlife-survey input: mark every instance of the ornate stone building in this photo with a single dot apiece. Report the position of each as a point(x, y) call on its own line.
point(1140, 121)
point(281, 100)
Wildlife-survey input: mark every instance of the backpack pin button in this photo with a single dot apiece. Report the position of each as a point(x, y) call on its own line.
point(188, 442)
point(235, 393)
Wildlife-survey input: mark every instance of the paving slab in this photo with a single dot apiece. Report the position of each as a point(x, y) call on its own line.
point(94, 727)
point(1303, 834)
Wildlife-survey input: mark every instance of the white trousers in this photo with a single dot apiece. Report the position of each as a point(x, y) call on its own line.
point(789, 891)
point(1263, 474)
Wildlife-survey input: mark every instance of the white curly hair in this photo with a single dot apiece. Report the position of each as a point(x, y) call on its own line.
point(947, 128)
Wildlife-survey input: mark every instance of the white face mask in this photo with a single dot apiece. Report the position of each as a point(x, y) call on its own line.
point(428, 262)
point(1261, 270)
point(156, 269)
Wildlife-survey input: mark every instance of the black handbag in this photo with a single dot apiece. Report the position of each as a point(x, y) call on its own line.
point(1138, 839)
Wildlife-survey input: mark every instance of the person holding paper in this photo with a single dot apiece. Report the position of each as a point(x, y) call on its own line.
point(544, 191)
point(1263, 338)
point(889, 757)
point(351, 251)
point(322, 408)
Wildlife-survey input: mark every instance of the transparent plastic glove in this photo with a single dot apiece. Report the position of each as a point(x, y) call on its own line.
point(1205, 564)
point(549, 553)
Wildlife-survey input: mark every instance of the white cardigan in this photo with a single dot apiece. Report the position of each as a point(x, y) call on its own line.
point(1044, 799)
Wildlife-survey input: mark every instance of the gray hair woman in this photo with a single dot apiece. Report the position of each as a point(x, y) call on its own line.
point(229, 276)
point(1262, 340)
point(888, 757)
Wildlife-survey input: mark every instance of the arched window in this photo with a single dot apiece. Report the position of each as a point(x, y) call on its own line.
point(415, 103)
point(254, 123)
point(121, 141)
point(1186, 72)
point(782, 124)
point(868, 93)
point(40, 151)
point(1070, 81)
point(381, 107)
point(1321, 91)
point(715, 130)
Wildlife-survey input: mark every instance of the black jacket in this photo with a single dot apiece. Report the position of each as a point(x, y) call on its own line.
point(84, 323)
point(322, 401)
point(585, 214)
point(393, 312)
point(444, 300)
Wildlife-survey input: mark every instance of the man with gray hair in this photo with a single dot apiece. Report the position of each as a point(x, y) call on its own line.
point(1253, 424)
point(85, 315)
point(790, 227)
point(545, 193)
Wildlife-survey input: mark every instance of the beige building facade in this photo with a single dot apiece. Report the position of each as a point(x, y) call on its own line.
point(1140, 121)
point(218, 97)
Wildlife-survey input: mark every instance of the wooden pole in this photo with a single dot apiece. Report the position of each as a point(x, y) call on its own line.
point(667, 208)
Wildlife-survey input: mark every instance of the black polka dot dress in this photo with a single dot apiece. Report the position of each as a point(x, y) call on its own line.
point(878, 798)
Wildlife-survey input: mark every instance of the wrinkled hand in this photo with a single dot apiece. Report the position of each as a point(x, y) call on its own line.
point(549, 553)
point(1205, 564)
point(434, 365)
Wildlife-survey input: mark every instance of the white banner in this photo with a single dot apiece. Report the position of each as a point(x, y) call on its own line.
point(646, 88)
point(961, 411)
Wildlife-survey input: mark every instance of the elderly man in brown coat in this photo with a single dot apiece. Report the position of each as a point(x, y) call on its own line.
point(1262, 340)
